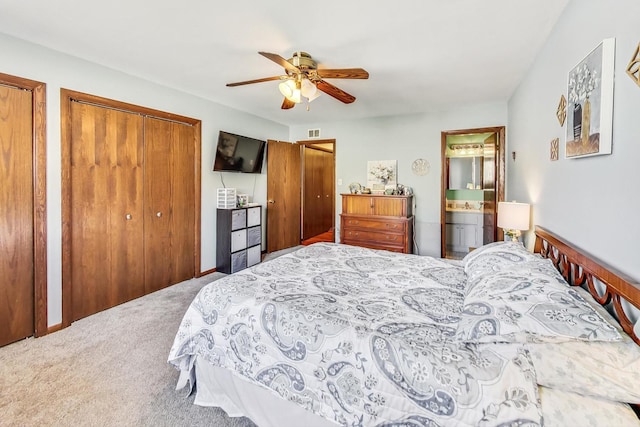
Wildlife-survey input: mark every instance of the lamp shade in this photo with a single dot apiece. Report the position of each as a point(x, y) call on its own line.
point(513, 215)
point(308, 89)
point(287, 87)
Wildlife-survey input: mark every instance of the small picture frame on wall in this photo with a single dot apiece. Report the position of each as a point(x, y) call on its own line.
point(555, 148)
point(633, 68)
point(561, 112)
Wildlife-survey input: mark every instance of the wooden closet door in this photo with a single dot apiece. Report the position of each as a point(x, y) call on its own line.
point(169, 193)
point(106, 209)
point(16, 216)
point(328, 195)
point(312, 212)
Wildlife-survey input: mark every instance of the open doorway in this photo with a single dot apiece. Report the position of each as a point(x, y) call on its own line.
point(472, 185)
point(289, 181)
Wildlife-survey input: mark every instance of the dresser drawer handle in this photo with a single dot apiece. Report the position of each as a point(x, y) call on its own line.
point(392, 238)
point(394, 226)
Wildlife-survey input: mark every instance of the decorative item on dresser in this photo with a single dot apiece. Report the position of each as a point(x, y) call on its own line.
point(239, 242)
point(377, 222)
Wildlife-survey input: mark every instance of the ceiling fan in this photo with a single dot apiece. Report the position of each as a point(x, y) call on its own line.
point(302, 78)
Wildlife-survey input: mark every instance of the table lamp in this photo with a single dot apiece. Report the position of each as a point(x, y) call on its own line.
point(513, 217)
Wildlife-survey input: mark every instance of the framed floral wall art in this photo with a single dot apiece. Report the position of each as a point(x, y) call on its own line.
point(382, 174)
point(590, 103)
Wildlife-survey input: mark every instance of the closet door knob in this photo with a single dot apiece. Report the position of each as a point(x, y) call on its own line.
point(158, 214)
point(128, 217)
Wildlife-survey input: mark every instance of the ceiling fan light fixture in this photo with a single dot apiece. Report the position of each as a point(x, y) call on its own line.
point(287, 88)
point(308, 89)
point(314, 96)
point(291, 90)
point(295, 97)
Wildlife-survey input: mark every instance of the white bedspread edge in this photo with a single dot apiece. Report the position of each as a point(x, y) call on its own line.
point(221, 388)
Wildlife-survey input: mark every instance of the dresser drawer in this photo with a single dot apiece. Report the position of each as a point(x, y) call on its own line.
point(390, 225)
point(380, 237)
point(376, 245)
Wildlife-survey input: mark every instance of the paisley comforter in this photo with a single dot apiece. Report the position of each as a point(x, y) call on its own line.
point(362, 338)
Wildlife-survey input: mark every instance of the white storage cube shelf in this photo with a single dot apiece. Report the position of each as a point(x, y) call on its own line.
point(226, 198)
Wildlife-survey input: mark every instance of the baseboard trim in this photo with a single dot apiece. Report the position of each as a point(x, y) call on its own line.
point(204, 273)
point(53, 328)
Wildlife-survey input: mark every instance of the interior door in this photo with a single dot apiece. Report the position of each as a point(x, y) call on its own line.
point(328, 188)
point(107, 208)
point(313, 212)
point(283, 195)
point(169, 212)
point(16, 215)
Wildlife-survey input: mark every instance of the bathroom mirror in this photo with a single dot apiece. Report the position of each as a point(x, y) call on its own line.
point(465, 173)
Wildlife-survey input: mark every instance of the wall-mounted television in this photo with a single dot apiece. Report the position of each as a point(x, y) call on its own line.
point(237, 153)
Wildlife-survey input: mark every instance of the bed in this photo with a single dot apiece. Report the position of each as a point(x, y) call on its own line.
point(334, 334)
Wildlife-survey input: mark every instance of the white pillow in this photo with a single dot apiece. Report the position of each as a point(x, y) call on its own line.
point(494, 257)
point(609, 370)
point(528, 301)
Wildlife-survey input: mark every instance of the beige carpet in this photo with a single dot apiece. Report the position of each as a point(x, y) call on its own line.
point(109, 369)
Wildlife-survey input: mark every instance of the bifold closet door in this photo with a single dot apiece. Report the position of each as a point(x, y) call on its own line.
point(16, 215)
point(328, 193)
point(169, 194)
point(318, 192)
point(107, 149)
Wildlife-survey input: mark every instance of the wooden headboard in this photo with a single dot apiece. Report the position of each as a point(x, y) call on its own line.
point(578, 267)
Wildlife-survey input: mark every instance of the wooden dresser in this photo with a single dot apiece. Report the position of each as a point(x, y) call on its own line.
point(377, 222)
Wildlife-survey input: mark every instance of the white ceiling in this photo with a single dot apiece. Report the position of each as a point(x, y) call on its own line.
point(422, 55)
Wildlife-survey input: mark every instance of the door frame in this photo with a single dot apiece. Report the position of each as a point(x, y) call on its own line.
point(39, 162)
point(68, 96)
point(499, 175)
point(304, 144)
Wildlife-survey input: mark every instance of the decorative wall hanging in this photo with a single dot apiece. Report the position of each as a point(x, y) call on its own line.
point(420, 167)
point(561, 112)
point(555, 148)
point(381, 174)
point(590, 109)
point(633, 69)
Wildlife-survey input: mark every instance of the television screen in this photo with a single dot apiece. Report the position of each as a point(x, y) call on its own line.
point(236, 153)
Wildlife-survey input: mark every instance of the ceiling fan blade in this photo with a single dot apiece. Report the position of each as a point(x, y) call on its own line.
point(286, 104)
point(343, 73)
point(280, 60)
point(248, 82)
point(337, 93)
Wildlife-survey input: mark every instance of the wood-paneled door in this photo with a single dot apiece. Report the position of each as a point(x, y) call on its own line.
point(131, 202)
point(283, 195)
point(318, 200)
point(107, 254)
point(23, 310)
point(169, 215)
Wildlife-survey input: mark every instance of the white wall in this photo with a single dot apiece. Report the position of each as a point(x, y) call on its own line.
point(589, 201)
point(402, 138)
point(57, 70)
